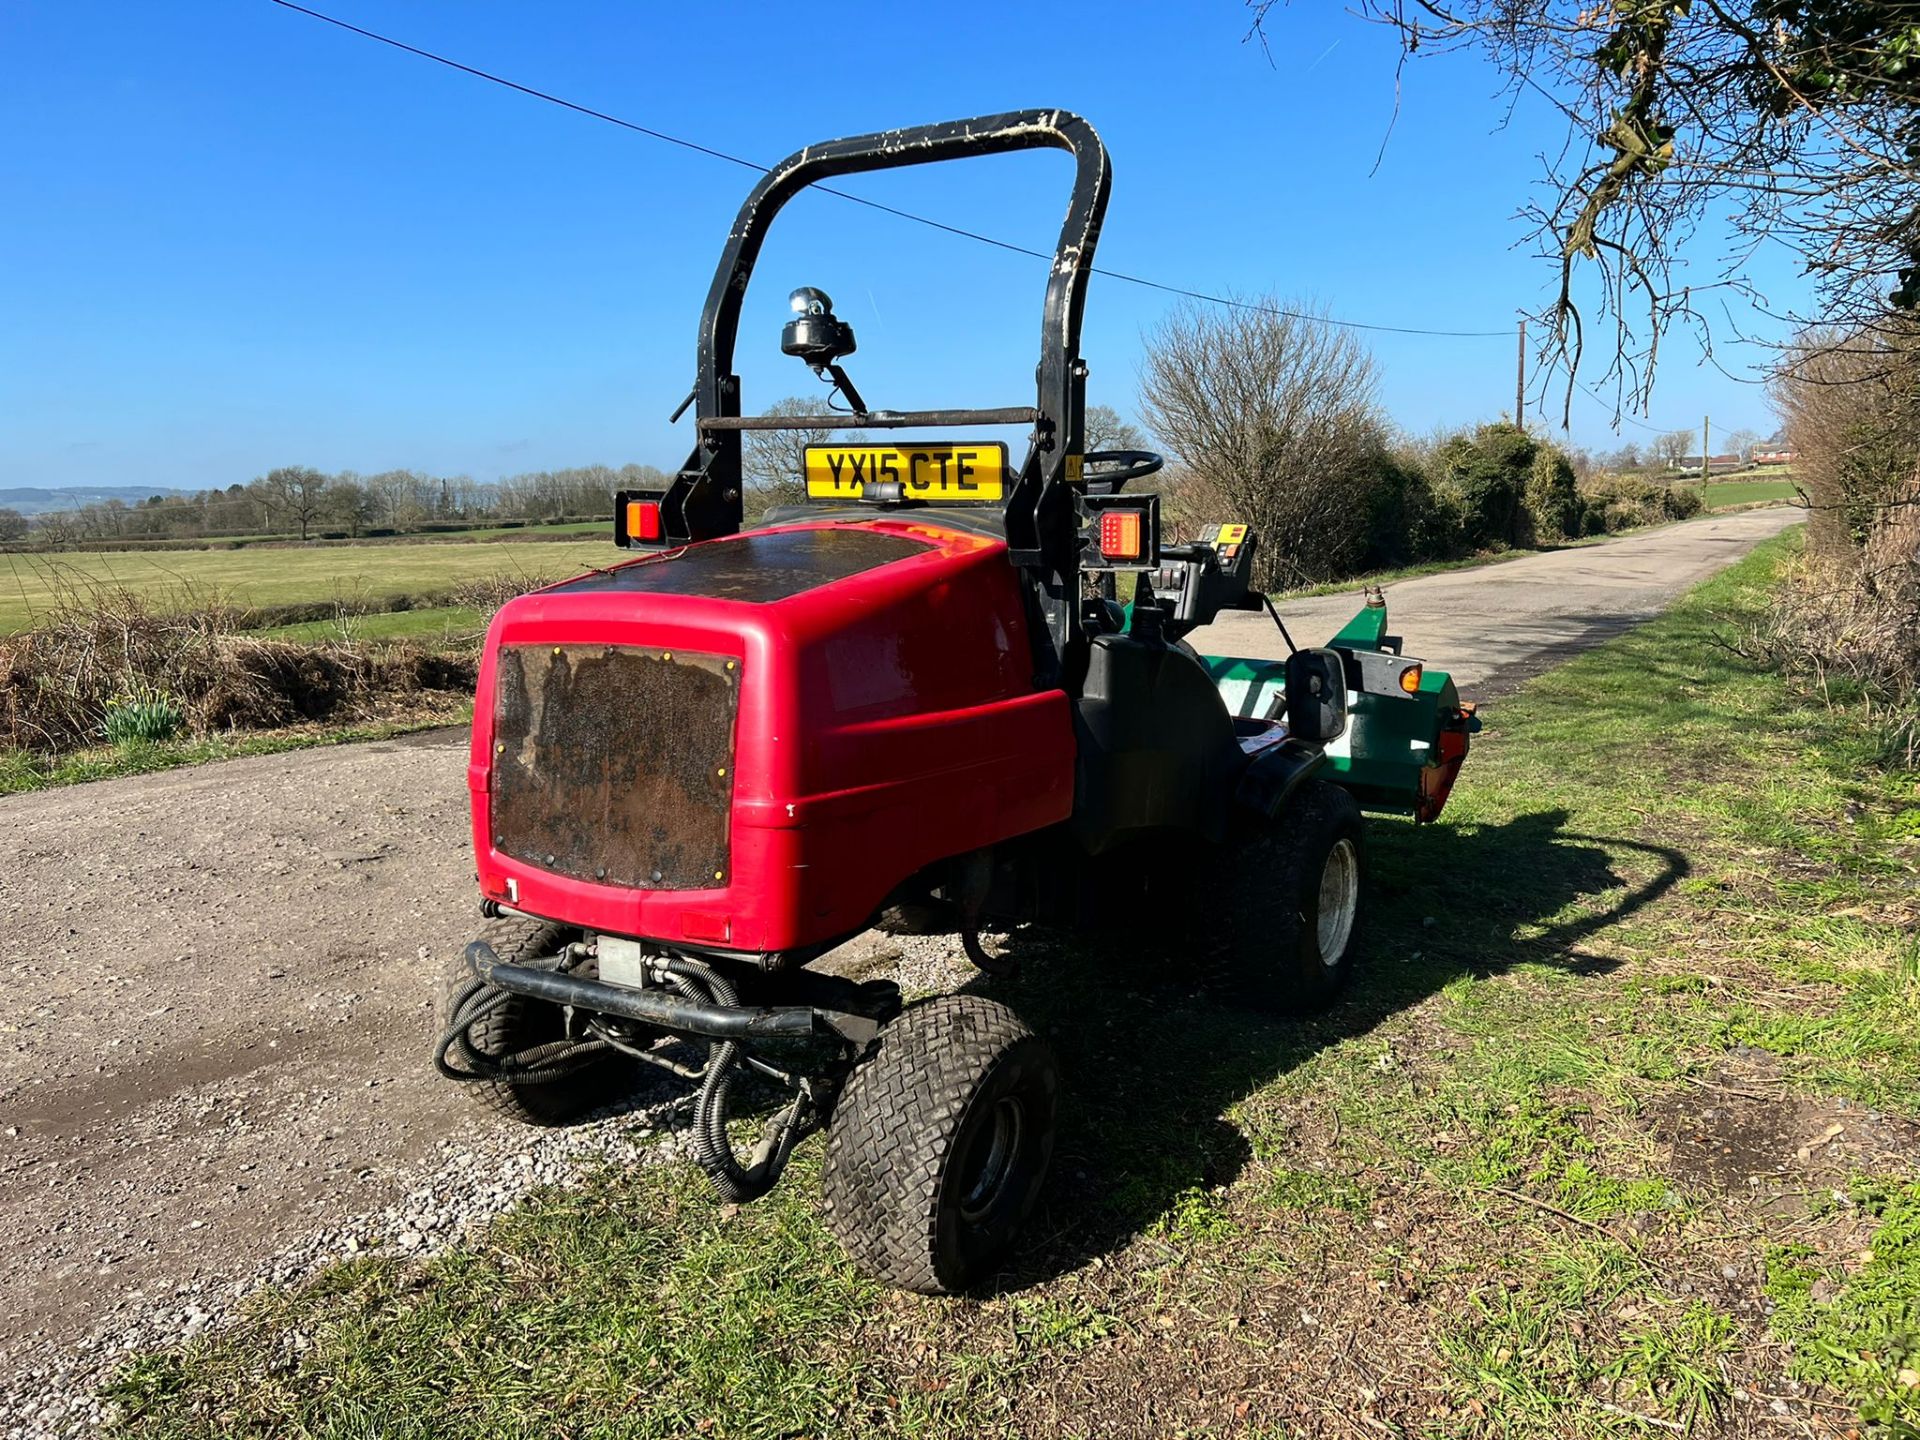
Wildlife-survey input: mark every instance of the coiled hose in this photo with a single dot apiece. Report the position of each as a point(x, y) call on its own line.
point(478, 1001)
point(732, 1181)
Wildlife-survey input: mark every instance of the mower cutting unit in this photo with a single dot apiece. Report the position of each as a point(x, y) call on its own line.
point(700, 770)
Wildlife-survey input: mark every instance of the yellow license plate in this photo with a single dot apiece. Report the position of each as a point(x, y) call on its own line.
point(948, 474)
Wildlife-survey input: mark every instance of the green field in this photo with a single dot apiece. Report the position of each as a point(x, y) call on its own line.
point(1613, 1137)
point(546, 531)
point(33, 584)
point(1719, 494)
point(435, 626)
point(567, 527)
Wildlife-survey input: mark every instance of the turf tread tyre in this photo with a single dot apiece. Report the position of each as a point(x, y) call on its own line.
point(907, 1118)
point(524, 1028)
point(918, 917)
point(1264, 905)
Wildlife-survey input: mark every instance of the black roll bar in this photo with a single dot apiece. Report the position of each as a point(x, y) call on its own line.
point(705, 499)
point(875, 419)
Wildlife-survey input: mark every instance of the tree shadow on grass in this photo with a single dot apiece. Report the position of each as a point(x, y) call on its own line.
point(1151, 1065)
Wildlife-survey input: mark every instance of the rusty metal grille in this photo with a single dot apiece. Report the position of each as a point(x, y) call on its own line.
point(615, 764)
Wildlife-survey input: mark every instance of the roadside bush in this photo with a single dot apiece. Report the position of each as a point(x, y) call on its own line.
point(109, 662)
point(1683, 502)
point(1612, 503)
point(1551, 500)
point(1487, 472)
point(1848, 621)
point(1501, 486)
point(1851, 403)
point(1408, 520)
point(1437, 530)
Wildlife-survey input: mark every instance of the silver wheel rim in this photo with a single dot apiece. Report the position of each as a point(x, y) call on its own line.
point(990, 1159)
point(1339, 901)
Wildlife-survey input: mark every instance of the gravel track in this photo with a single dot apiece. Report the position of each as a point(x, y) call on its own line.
point(215, 1072)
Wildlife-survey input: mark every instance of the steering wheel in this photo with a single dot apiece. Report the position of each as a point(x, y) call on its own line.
point(1116, 468)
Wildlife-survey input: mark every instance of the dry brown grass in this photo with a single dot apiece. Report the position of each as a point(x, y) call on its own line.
point(104, 644)
point(485, 594)
point(1850, 625)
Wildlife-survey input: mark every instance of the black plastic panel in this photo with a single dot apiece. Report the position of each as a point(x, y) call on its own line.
point(1157, 750)
point(758, 567)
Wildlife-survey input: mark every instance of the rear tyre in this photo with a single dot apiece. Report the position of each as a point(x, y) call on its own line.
point(940, 1143)
point(524, 1031)
point(919, 917)
point(1287, 915)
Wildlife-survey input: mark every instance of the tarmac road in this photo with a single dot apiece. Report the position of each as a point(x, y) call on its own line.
point(219, 979)
point(1493, 626)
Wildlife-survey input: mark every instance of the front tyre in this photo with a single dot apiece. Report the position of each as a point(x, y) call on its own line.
point(940, 1143)
point(1288, 913)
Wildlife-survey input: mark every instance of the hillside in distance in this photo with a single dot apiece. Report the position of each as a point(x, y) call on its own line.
point(31, 500)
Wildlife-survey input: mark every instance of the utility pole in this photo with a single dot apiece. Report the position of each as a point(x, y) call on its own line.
point(1706, 448)
point(1520, 383)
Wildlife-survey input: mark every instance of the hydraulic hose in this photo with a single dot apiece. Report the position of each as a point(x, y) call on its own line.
point(478, 1001)
point(732, 1181)
point(457, 1057)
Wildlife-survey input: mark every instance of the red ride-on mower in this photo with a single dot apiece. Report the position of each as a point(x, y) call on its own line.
point(700, 770)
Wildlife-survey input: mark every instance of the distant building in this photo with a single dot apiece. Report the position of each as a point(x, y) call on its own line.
point(1718, 465)
point(1774, 457)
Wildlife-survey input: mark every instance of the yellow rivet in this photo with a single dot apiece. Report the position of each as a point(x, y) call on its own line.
point(556, 649)
point(500, 749)
point(721, 771)
point(666, 655)
point(732, 666)
point(719, 874)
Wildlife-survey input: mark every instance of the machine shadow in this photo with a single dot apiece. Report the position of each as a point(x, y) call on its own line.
point(1152, 1065)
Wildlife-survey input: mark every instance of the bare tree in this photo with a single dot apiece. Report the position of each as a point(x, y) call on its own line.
point(1624, 460)
point(397, 493)
point(13, 525)
point(297, 494)
point(1796, 121)
point(1741, 443)
point(1673, 447)
point(351, 505)
point(1275, 417)
point(1188, 504)
point(774, 461)
point(1851, 406)
point(1107, 429)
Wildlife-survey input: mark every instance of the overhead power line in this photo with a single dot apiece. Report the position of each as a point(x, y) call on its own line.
point(716, 154)
point(1620, 414)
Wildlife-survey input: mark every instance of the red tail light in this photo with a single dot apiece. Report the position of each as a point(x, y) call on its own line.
point(643, 520)
point(1120, 535)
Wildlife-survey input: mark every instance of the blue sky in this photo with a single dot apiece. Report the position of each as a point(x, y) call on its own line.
point(232, 237)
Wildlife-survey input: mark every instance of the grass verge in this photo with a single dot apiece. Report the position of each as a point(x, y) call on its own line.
point(1617, 1136)
point(24, 770)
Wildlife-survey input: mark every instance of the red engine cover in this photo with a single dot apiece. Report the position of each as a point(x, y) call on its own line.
point(883, 715)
